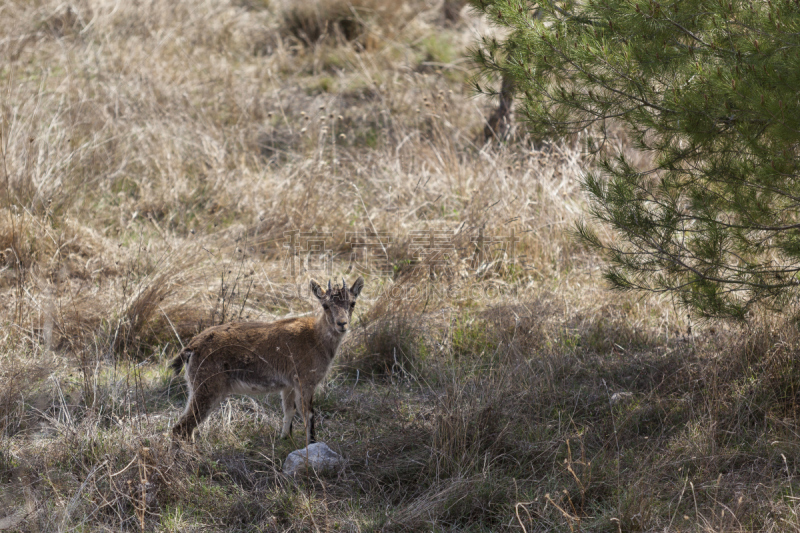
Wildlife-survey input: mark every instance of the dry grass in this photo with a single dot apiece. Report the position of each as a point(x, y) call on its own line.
point(155, 159)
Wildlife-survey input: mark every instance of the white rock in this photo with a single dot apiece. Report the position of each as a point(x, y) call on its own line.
point(318, 456)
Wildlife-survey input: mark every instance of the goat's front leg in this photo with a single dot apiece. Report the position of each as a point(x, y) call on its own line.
point(289, 402)
point(307, 409)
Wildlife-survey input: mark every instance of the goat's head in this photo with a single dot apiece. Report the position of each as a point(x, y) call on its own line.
point(338, 302)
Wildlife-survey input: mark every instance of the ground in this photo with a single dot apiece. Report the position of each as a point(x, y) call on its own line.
point(167, 166)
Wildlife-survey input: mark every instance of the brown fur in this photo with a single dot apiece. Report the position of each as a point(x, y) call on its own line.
point(291, 356)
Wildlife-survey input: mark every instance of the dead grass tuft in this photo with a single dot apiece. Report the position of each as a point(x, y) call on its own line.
point(467, 435)
point(456, 503)
point(342, 21)
point(22, 376)
point(65, 22)
point(143, 320)
point(385, 347)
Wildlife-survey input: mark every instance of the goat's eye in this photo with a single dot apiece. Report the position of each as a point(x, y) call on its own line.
point(352, 305)
point(325, 306)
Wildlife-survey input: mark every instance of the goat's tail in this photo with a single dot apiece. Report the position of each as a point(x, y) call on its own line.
point(181, 359)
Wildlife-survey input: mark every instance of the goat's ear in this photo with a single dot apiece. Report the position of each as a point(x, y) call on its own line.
point(355, 290)
point(317, 290)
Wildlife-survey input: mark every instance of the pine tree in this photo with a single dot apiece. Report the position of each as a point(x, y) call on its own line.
point(711, 88)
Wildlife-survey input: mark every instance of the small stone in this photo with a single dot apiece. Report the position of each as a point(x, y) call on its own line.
point(13, 520)
point(318, 456)
point(620, 396)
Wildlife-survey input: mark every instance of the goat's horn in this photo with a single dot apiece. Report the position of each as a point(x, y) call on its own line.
point(329, 285)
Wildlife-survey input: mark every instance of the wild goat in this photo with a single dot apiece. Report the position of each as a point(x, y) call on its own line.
point(291, 356)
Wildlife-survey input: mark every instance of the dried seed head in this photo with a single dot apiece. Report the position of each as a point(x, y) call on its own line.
point(341, 117)
point(303, 130)
point(342, 136)
point(321, 108)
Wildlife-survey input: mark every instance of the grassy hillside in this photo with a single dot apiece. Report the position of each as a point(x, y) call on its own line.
point(166, 166)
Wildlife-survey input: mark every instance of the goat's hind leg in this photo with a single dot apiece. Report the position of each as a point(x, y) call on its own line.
point(200, 404)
